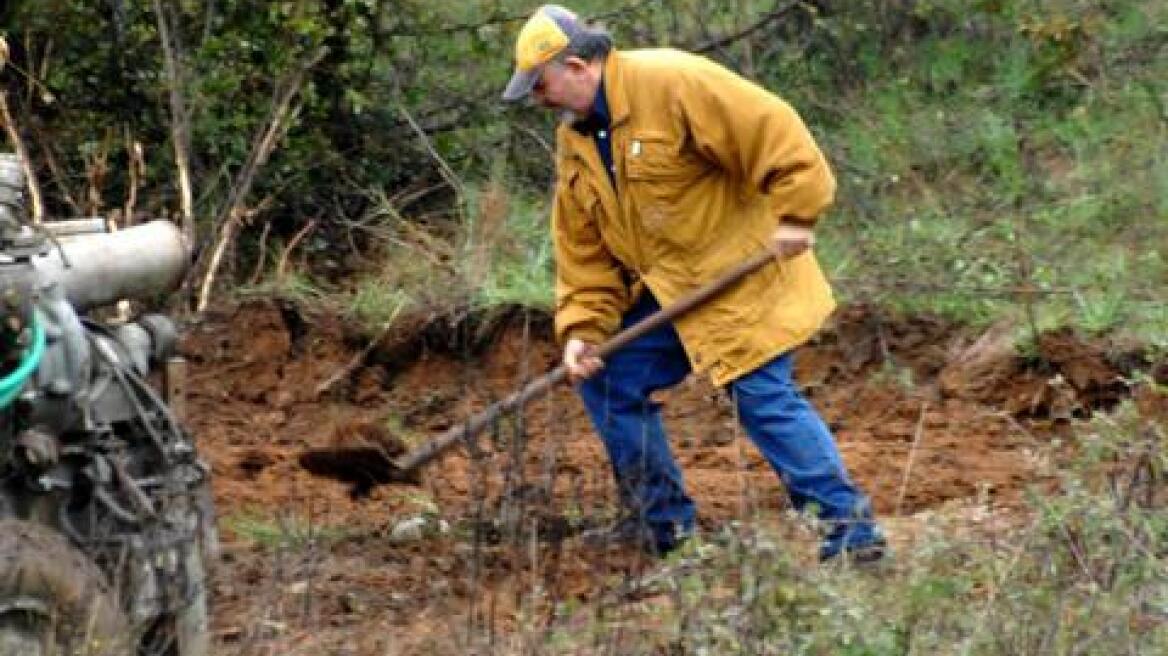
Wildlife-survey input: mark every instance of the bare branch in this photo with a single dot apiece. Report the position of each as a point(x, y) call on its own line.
point(767, 18)
point(282, 265)
point(277, 124)
point(58, 175)
point(179, 121)
point(34, 189)
point(262, 257)
point(448, 173)
point(358, 358)
point(137, 169)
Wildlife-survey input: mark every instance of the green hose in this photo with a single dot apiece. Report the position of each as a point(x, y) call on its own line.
point(11, 384)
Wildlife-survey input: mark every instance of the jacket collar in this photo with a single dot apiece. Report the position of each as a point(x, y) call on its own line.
point(611, 106)
point(618, 99)
point(599, 118)
point(613, 86)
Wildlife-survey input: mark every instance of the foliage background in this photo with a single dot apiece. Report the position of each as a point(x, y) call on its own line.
point(996, 158)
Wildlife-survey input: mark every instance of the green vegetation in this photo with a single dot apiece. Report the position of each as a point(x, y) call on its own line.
point(1024, 167)
point(994, 158)
point(287, 533)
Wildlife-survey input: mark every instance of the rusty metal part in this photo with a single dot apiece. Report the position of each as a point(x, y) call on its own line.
point(39, 449)
point(174, 387)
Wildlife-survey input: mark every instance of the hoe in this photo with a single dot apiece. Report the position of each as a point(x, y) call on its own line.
point(366, 465)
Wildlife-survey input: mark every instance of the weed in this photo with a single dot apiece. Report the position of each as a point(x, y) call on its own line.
point(296, 287)
point(374, 305)
point(291, 533)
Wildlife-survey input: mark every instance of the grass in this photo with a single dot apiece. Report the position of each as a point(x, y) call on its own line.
point(297, 287)
point(373, 303)
point(1015, 176)
point(507, 247)
point(286, 533)
point(495, 252)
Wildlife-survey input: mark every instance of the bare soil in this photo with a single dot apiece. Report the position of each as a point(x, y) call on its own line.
point(926, 413)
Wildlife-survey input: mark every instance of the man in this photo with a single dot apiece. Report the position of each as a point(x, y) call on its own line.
point(670, 170)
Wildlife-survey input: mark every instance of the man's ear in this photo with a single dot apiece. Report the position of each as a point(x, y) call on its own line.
point(575, 64)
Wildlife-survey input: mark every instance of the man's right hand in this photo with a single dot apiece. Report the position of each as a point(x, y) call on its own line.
point(581, 360)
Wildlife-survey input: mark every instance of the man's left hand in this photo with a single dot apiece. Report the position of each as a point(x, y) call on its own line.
point(791, 240)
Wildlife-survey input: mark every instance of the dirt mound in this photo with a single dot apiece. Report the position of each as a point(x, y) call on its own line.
point(891, 389)
point(925, 414)
point(1066, 376)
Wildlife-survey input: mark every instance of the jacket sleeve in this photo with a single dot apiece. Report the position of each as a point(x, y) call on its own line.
point(591, 293)
point(755, 136)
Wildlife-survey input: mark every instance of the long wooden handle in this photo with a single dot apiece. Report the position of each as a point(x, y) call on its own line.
point(471, 428)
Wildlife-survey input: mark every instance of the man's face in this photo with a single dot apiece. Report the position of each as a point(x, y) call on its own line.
point(569, 85)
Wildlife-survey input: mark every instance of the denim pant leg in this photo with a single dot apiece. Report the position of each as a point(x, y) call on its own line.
point(629, 423)
point(800, 447)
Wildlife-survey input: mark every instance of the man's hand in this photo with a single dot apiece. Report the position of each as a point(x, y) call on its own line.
point(791, 239)
point(580, 360)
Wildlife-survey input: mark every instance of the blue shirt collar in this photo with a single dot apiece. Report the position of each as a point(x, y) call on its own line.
point(600, 106)
point(599, 118)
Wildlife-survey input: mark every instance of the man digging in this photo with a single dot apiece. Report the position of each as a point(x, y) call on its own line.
point(670, 170)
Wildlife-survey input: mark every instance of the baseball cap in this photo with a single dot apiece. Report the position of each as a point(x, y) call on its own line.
point(549, 30)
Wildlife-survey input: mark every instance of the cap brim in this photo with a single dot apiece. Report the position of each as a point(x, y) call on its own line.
point(521, 84)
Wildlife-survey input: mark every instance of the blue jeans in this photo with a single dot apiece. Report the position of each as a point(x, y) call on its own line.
point(785, 427)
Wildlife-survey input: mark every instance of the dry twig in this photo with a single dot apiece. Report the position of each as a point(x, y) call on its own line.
point(50, 159)
point(358, 359)
point(137, 167)
point(179, 120)
point(912, 455)
point(34, 189)
point(263, 254)
point(448, 174)
point(282, 265)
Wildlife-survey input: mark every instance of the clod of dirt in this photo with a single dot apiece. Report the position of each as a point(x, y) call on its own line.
point(254, 461)
point(361, 454)
point(1068, 377)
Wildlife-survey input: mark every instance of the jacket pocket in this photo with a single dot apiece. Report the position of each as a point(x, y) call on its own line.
point(661, 180)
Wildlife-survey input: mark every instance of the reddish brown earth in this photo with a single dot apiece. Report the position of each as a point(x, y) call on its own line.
point(925, 413)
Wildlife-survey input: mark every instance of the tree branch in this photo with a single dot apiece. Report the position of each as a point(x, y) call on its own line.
point(180, 122)
point(763, 21)
point(34, 189)
point(274, 129)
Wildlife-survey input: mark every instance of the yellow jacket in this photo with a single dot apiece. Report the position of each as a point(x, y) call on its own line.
point(706, 163)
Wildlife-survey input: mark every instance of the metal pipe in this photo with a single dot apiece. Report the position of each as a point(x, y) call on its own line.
point(141, 262)
point(73, 227)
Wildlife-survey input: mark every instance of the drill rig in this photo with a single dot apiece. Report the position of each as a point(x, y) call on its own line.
point(106, 520)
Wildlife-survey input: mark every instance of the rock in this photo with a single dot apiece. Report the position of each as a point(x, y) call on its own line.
point(272, 628)
point(350, 603)
point(412, 529)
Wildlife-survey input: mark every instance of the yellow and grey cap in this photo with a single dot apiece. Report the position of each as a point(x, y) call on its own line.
point(549, 30)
